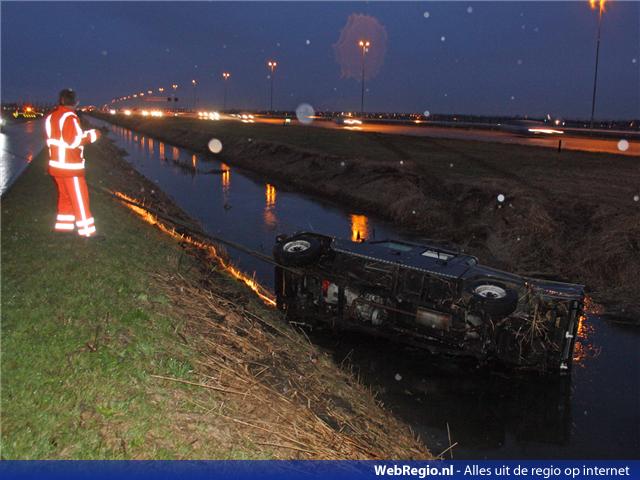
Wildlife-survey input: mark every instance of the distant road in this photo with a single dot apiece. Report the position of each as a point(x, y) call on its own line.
point(569, 142)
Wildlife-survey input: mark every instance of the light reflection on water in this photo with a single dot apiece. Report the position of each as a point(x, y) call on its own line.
point(591, 414)
point(270, 219)
point(226, 178)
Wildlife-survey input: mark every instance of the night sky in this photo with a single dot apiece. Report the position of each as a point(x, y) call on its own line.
point(510, 58)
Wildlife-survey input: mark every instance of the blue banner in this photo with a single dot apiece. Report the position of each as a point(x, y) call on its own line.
point(312, 470)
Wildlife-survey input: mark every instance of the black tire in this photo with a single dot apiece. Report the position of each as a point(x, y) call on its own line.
point(493, 298)
point(297, 251)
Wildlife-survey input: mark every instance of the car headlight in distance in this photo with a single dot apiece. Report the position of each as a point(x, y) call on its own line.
point(548, 131)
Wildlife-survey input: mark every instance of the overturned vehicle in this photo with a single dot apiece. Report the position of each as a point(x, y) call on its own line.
point(428, 296)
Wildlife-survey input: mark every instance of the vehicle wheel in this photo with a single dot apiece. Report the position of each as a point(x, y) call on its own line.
point(493, 298)
point(297, 251)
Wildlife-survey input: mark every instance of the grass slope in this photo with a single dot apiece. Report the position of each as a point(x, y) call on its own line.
point(88, 326)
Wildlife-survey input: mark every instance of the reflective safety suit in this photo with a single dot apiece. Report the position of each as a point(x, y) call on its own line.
point(66, 141)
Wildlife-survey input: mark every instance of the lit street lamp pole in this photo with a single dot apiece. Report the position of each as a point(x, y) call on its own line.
point(225, 76)
point(272, 66)
point(595, 77)
point(195, 98)
point(364, 45)
point(175, 99)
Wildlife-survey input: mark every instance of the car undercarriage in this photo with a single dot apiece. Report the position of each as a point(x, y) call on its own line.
point(429, 297)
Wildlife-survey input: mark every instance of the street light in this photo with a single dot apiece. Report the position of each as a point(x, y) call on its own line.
point(175, 87)
point(225, 76)
point(272, 66)
point(364, 45)
point(195, 85)
point(595, 77)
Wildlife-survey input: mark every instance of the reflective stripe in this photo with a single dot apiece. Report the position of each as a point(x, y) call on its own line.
point(79, 134)
point(47, 124)
point(76, 185)
point(50, 141)
point(64, 226)
point(66, 166)
point(88, 222)
point(65, 218)
point(62, 120)
point(87, 231)
point(78, 137)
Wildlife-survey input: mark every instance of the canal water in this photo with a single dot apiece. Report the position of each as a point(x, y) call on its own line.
point(593, 414)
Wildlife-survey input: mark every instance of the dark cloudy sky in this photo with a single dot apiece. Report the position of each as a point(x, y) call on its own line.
point(467, 57)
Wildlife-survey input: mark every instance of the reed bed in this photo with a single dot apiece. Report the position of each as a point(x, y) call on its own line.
point(288, 396)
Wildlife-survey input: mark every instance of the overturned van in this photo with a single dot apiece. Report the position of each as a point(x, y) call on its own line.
point(428, 296)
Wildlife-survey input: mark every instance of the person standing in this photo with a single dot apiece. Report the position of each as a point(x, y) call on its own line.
point(66, 140)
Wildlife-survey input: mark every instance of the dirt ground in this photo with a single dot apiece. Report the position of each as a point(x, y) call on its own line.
point(570, 216)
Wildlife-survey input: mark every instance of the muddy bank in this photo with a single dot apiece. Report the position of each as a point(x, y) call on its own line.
point(569, 216)
point(275, 394)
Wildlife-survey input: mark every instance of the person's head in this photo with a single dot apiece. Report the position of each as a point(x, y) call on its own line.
point(67, 98)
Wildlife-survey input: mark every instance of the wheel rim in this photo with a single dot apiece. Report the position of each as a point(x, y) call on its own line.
point(490, 291)
point(296, 246)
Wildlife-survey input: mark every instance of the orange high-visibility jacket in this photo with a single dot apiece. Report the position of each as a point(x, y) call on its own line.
point(66, 141)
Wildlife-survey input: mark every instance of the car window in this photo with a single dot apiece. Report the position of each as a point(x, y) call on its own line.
point(401, 247)
point(437, 254)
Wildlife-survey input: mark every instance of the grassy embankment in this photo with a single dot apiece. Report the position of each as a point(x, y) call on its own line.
point(571, 215)
point(132, 347)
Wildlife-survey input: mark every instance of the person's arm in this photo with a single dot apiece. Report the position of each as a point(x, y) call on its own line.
point(90, 136)
point(74, 136)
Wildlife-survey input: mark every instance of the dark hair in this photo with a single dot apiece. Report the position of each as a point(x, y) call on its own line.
point(67, 97)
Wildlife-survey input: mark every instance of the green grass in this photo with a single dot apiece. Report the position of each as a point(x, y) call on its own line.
point(83, 327)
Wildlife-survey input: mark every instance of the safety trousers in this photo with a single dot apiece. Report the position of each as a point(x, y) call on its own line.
point(73, 206)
